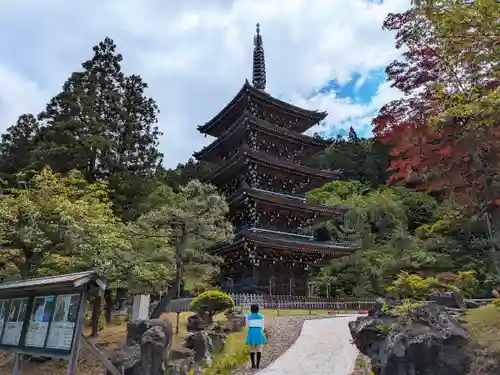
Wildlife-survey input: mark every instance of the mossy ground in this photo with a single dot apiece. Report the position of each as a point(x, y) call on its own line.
point(484, 327)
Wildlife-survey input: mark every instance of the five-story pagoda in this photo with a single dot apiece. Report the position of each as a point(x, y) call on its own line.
point(258, 153)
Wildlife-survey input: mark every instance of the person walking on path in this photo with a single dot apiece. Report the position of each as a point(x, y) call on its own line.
point(255, 335)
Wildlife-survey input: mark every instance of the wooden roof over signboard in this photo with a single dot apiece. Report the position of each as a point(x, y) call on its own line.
point(51, 283)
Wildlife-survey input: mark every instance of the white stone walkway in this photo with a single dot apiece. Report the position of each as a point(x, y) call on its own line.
point(323, 348)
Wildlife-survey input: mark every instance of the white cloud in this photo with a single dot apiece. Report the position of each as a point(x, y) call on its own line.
point(196, 54)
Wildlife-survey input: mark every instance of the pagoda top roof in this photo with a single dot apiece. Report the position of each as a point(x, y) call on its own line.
point(240, 126)
point(213, 128)
point(284, 241)
point(287, 201)
point(262, 158)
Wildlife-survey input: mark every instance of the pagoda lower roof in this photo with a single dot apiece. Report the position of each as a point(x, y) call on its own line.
point(216, 125)
point(289, 201)
point(282, 241)
point(246, 122)
point(235, 162)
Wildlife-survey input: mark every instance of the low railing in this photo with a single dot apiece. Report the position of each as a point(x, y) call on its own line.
point(282, 302)
point(292, 303)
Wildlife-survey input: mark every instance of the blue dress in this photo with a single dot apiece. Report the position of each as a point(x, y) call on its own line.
point(255, 335)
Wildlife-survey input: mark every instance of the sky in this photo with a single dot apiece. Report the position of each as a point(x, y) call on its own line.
point(327, 55)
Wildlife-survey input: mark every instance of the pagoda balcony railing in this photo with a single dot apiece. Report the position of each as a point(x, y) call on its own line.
point(301, 196)
point(292, 233)
point(298, 233)
point(300, 237)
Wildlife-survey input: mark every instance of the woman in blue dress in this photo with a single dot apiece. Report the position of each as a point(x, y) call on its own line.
point(255, 336)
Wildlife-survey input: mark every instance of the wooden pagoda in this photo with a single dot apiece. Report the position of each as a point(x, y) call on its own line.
point(258, 154)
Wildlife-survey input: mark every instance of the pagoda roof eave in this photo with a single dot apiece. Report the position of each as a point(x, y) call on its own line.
point(262, 158)
point(287, 201)
point(246, 89)
point(283, 241)
point(264, 126)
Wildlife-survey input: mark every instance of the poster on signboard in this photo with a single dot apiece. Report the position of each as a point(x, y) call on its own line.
point(14, 325)
point(64, 322)
point(4, 304)
point(38, 326)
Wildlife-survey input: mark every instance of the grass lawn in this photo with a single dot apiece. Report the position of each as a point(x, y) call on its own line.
point(484, 327)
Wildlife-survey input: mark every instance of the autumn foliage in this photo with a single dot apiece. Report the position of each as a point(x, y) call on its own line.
point(444, 130)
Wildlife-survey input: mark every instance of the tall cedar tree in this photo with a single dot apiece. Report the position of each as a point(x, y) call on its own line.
point(443, 129)
point(16, 147)
point(104, 125)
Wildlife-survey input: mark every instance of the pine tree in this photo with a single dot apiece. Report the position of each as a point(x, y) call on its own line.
point(353, 136)
point(16, 147)
point(103, 124)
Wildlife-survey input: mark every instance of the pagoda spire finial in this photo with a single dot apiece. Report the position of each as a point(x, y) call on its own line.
point(259, 64)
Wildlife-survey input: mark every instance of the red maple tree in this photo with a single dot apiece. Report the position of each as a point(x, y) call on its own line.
point(444, 131)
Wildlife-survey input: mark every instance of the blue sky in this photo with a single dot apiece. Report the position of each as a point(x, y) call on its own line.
point(327, 55)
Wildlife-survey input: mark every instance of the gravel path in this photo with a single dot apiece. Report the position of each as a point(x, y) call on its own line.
point(283, 331)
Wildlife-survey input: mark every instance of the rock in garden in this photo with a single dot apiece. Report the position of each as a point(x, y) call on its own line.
point(197, 322)
point(181, 361)
point(448, 299)
point(147, 347)
point(154, 351)
point(472, 305)
point(424, 339)
point(200, 344)
point(236, 320)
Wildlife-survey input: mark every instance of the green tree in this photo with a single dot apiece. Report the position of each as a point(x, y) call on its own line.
point(16, 147)
point(364, 160)
point(382, 220)
point(59, 224)
point(102, 124)
point(196, 219)
point(444, 128)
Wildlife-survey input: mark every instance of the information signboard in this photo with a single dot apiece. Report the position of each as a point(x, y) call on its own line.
point(38, 326)
point(44, 317)
point(63, 324)
point(4, 304)
point(14, 325)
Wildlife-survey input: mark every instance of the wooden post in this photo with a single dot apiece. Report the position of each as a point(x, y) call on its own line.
point(75, 347)
point(102, 358)
point(17, 364)
point(96, 315)
point(179, 264)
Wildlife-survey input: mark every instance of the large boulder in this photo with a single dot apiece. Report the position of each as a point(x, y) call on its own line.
point(449, 299)
point(181, 361)
point(236, 320)
point(155, 348)
point(147, 347)
point(422, 339)
point(198, 322)
point(204, 344)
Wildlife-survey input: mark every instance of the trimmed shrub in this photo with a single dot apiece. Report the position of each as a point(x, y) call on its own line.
point(212, 301)
point(416, 287)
